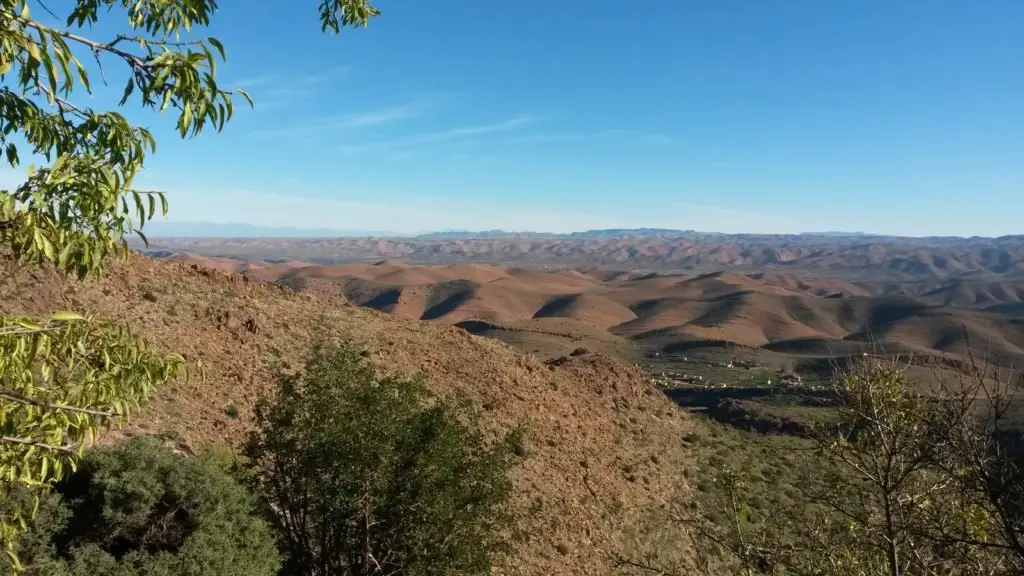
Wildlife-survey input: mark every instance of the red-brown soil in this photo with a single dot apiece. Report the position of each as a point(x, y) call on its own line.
point(603, 452)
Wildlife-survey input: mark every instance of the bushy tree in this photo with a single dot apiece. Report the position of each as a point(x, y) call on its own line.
point(62, 378)
point(369, 475)
point(138, 508)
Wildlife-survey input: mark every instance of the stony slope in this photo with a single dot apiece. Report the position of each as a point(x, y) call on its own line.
point(603, 447)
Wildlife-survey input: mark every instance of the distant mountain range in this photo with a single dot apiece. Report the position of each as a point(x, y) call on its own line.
point(848, 256)
point(158, 229)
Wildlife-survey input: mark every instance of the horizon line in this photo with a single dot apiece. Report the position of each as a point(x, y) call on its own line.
point(300, 232)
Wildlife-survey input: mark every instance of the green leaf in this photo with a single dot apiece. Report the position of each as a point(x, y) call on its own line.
point(47, 248)
point(127, 91)
point(15, 562)
point(139, 208)
point(220, 47)
point(67, 316)
point(186, 117)
point(246, 96)
point(12, 154)
point(82, 75)
point(161, 77)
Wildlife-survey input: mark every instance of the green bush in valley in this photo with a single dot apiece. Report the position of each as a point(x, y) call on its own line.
point(370, 475)
point(139, 509)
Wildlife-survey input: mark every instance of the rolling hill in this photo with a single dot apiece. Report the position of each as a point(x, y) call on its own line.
point(550, 312)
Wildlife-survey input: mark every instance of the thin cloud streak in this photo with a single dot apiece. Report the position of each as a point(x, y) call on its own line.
point(633, 136)
point(254, 81)
point(382, 116)
point(281, 90)
point(356, 120)
point(508, 125)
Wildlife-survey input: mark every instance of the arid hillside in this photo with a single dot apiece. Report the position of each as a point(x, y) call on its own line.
point(602, 453)
point(863, 257)
point(620, 311)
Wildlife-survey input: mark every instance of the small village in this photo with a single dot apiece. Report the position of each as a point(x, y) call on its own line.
point(673, 379)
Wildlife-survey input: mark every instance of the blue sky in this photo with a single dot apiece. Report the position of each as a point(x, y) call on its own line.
point(733, 116)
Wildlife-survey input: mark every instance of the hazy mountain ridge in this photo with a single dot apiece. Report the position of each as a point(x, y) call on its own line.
point(873, 257)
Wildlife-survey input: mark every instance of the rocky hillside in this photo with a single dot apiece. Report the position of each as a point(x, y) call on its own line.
point(602, 455)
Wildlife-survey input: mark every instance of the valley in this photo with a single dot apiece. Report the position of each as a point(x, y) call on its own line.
point(753, 350)
point(778, 319)
point(750, 355)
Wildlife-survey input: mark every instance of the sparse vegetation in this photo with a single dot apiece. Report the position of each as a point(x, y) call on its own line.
point(905, 482)
point(138, 508)
point(373, 475)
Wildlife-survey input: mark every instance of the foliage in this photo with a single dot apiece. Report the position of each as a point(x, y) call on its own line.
point(370, 475)
point(137, 508)
point(907, 482)
point(62, 381)
point(338, 14)
point(75, 212)
point(979, 448)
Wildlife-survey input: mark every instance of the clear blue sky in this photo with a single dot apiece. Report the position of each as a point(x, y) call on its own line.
point(902, 117)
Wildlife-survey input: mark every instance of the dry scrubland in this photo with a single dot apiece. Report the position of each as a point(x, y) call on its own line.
point(602, 453)
point(605, 451)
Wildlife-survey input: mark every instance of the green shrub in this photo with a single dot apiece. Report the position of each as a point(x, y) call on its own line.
point(368, 475)
point(139, 509)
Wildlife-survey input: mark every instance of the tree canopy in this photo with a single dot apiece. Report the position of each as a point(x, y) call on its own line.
point(366, 475)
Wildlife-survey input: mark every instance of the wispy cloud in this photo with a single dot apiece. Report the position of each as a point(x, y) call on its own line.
point(271, 91)
point(324, 76)
point(351, 121)
point(601, 136)
point(383, 115)
point(250, 82)
point(452, 134)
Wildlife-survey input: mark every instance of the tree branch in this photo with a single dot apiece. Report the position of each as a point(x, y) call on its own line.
point(134, 60)
point(54, 406)
point(69, 449)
